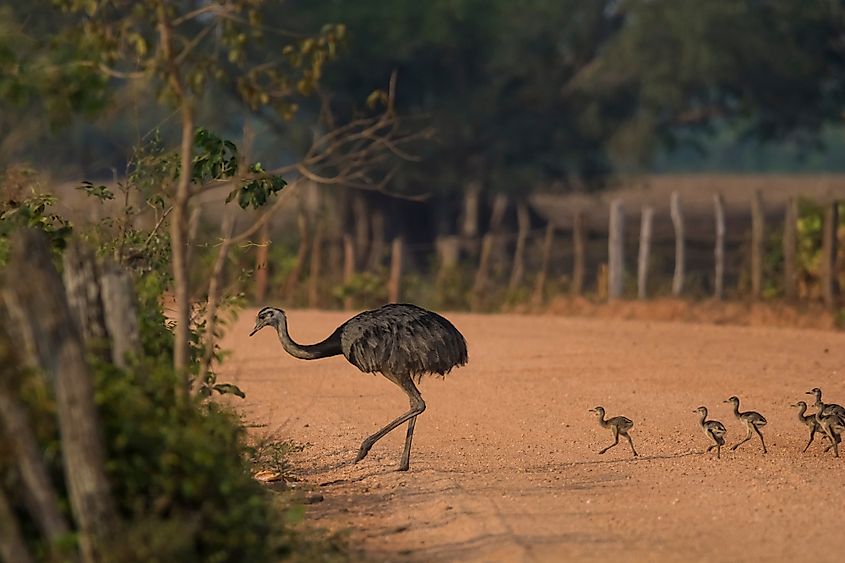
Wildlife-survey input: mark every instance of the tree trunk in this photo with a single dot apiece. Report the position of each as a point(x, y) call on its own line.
point(719, 252)
point(469, 221)
point(616, 250)
point(348, 269)
point(118, 296)
point(828, 264)
point(579, 244)
point(646, 220)
point(758, 227)
point(301, 255)
point(790, 242)
point(448, 252)
point(518, 270)
point(18, 432)
point(12, 547)
point(680, 244)
point(394, 284)
point(261, 263)
point(316, 264)
point(37, 296)
point(178, 244)
point(540, 285)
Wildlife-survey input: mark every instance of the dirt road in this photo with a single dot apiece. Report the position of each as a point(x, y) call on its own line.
point(504, 466)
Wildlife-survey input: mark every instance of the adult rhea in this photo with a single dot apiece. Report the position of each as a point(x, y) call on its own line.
point(402, 342)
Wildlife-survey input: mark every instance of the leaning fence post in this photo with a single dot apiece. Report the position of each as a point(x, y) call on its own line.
point(680, 249)
point(579, 245)
point(790, 240)
point(540, 286)
point(719, 252)
point(616, 250)
point(758, 228)
point(646, 221)
point(394, 284)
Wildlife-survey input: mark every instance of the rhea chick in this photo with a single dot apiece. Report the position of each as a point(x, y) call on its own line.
point(714, 430)
point(619, 425)
point(753, 422)
point(809, 420)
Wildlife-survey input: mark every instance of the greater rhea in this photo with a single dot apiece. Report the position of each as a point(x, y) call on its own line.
point(400, 341)
point(619, 425)
point(833, 425)
point(753, 422)
point(713, 429)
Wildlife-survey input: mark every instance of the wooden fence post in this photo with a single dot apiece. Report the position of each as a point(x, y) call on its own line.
point(579, 245)
point(480, 284)
point(719, 252)
point(348, 268)
point(377, 237)
point(118, 296)
point(828, 264)
point(790, 241)
point(37, 293)
point(448, 250)
point(316, 265)
point(680, 243)
point(518, 270)
point(395, 281)
point(301, 254)
point(540, 286)
point(616, 251)
point(646, 221)
point(758, 228)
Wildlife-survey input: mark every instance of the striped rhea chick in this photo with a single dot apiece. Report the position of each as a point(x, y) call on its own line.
point(809, 420)
point(826, 408)
point(753, 422)
point(713, 429)
point(619, 425)
point(832, 425)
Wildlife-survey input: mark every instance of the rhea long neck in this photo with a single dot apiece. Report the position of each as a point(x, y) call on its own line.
point(325, 349)
point(703, 415)
point(801, 410)
point(736, 409)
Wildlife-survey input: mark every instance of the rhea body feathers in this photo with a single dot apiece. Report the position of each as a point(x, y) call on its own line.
point(401, 341)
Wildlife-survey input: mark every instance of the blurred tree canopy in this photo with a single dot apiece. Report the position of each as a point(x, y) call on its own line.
point(527, 95)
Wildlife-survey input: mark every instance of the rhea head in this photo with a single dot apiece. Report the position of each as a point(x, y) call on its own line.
point(598, 410)
point(701, 410)
point(268, 316)
point(815, 391)
point(734, 400)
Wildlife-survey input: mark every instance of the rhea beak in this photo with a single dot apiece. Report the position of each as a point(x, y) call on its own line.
point(809, 393)
point(258, 326)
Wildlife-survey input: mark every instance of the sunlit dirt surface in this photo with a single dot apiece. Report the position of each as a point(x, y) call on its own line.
point(505, 464)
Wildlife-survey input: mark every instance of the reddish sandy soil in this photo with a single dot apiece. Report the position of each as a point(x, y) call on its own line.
point(505, 464)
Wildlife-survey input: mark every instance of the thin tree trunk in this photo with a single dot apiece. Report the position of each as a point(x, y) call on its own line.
point(524, 224)
point(579, 244)
point(316, 266)
point(394, 284)
point(646, 221)
point(719, 252)
point(261, 262)
point(448, 251)
point(36, 295)
point(178, 243)
point(540, 285)
point(215, 291)
point(12, 547)
point(348, 269)
point(790, 242)
point(828, 264)
point(680, 244)
point(616, 250)
point(469, 221)
point(758, 227)
point(301, 255)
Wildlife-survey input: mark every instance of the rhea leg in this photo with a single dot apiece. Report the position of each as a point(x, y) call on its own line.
point(812, 435)
point(630, 441)
point(417, 407)
point(615, 440)
point(747, 437)
point(762, 441)
point(829, 446)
